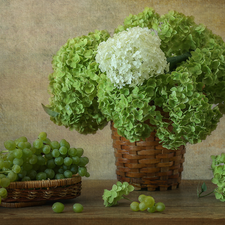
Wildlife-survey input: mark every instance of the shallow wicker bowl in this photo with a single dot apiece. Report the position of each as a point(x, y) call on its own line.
point(31, 193)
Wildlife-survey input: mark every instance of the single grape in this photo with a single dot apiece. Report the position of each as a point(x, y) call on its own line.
point(10, 145)
point(61, 170)
point(65, 143)
point(141, 198)
point(149, 201)
point(48, 156)
point(59, 176)
point(134, 206)
point(18, 153)
point(27, 153)
point(41, 176)
point(10, 156)
point(63, 150)
point(80, 152)
point(59, 161)
point(55, 153)
point(12, 176)
point(151, 209)
point(5, 196)
point(16, 168)
point(78, 208)
point(5, 182)
point(26, 178)
point(142, 206)
point(55, 145)
point(51, 164)
point(66, 167)
point(47, 141)
point(3, 192)
point(68, 174)
point(38, 144)
point(27, 145)
point(21, 145)
point(68, 161)
point(160, 206)
point(76, 160)
point(22, 174)
point(42, 136)
point(33, 159)
point(17, 161)
point(32, 174)
point(83, 161)
point(6, 164)
point(21, 139)
point(50, 173)
point(38, 151)
point(74, 169)
point(46, 149)
point(41, 160)
point(33, 150)
point(72, 152)
point(27, 166)
point(82, 171)
point(58, 207)
point(2, 175)
point(87, 174)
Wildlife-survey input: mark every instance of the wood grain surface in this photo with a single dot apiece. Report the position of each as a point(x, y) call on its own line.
point(182, 207)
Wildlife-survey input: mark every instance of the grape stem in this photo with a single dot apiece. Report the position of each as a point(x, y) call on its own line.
point(127, 198)
point(7, 171)
point(4, 151)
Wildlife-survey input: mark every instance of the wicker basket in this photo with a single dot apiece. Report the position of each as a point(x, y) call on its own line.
point(146, 164)
point(31, 193)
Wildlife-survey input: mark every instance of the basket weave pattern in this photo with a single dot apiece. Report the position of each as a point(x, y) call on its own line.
point(29, 193)
point(146, 164)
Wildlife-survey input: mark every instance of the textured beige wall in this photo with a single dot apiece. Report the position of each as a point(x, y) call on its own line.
point(32, 31)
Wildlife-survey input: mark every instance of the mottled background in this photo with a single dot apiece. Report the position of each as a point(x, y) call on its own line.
point(32, 31)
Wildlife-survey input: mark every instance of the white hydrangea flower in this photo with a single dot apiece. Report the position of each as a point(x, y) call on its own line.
point(132, 56)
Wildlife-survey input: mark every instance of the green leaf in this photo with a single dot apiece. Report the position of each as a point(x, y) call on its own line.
point(204, 187)
point(49, 111)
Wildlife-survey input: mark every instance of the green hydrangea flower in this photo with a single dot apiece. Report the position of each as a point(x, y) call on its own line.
point(73, 84)
point(186, 94)
point(218, 169)
point(116, 193)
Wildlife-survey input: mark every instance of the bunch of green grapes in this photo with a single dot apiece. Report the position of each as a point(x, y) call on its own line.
point(147, 203)
point(42, 160)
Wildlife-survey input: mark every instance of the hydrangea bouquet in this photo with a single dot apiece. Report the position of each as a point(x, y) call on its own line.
point(153, 65)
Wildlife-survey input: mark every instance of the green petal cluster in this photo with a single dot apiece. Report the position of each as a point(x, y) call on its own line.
point(148, 18)
point(183, 105)
point(191, 95)
point(73, 84)
point(218, 169)
point(116, 193)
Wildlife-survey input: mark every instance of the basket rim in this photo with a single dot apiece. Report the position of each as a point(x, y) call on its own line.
point(45, 183)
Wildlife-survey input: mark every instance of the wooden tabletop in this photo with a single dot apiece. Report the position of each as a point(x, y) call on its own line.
point(182, 207)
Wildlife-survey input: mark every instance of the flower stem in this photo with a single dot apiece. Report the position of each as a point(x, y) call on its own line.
point(127, 198)
point(205, 195)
